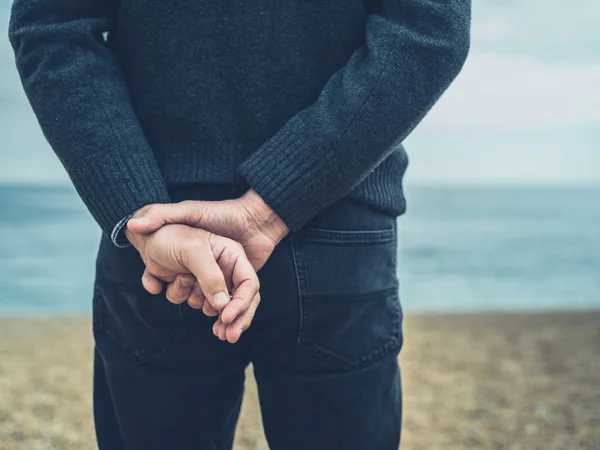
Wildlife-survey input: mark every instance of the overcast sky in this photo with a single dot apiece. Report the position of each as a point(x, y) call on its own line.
point(525, 109)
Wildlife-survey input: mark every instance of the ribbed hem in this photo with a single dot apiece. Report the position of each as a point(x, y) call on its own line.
point(383, 188)
point(281, 171)
point(113, 190)
point(299, 178)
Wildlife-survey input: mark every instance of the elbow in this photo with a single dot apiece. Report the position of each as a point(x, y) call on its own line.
point(13, 33)
point(458, 38)
point(17, 30)
point(460, 47)
point(30, 28)
point(20, 48)
point(436, 39)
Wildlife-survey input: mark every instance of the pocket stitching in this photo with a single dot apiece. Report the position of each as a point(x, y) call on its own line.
point(300, 282)
point(329, 236)
point(374, 355)
point(102, 332)
point(305, 313)
point(357, 298)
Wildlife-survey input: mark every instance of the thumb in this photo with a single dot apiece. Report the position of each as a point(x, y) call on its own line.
point(151, 218)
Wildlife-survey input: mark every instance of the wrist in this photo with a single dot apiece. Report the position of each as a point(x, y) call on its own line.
point(263, 217)
point(135, 239)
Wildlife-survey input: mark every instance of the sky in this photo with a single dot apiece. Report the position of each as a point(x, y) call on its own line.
point(525, 109)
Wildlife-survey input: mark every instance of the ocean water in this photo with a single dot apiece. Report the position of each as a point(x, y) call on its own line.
point(505, 249)
point(461, 249)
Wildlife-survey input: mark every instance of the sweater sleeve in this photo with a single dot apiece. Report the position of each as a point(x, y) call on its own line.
point(413, 51)
point(79, 96)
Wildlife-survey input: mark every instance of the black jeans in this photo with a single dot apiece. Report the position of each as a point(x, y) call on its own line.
point(323, 345)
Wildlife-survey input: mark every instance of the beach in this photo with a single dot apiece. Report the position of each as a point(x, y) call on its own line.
point(493, 381)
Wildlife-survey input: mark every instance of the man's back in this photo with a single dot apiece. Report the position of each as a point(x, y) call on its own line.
point(211, 82)
point(225, 91)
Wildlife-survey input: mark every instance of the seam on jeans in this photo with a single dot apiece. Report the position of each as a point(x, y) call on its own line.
point(299, 281)
point(387, 359)
point(349, 236)
point(356, 298)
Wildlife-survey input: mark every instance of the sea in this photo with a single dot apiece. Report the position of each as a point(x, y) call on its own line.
point(461, 249)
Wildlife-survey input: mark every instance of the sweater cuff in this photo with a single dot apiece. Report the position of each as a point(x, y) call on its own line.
point(112, 193)
point(294, 176)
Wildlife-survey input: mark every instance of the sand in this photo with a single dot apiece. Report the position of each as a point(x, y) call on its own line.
point(514, 381)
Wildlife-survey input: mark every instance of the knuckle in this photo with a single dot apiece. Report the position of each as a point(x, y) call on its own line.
point(195, 303)
point(197, 293)
point(186, 282)
point(151, 209)
point(185, 204)
point(155, 270)
point(143, 210)
point(175, 294)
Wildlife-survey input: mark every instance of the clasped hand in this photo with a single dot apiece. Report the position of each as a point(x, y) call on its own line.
point(208, 253)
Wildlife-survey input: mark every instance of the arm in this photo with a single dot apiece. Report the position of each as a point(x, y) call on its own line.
point(413, 50)
point(79, 96)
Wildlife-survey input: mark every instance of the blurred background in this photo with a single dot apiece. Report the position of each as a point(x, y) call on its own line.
point(499, 252)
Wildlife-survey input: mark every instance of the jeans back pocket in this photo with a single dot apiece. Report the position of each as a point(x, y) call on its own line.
point(126, 318)
point(348, 287)
point(137, 324)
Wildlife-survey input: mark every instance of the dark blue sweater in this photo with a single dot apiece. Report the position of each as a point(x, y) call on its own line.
point(306, 101)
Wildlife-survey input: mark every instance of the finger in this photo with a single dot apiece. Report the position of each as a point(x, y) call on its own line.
point(223, 332)
point(235, 329)
point(152, 284)
point(151, 218)
point(208, 310)
point(197, 298)
point(217, 326)
point(200, 260)
point(240, 302)
point(219, 329)
point(179, 290)
point(247, 283)
point(227, 265)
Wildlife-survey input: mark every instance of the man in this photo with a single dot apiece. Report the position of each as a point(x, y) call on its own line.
point(279, 124)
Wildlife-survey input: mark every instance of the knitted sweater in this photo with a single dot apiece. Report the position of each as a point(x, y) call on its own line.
point(305, 101)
